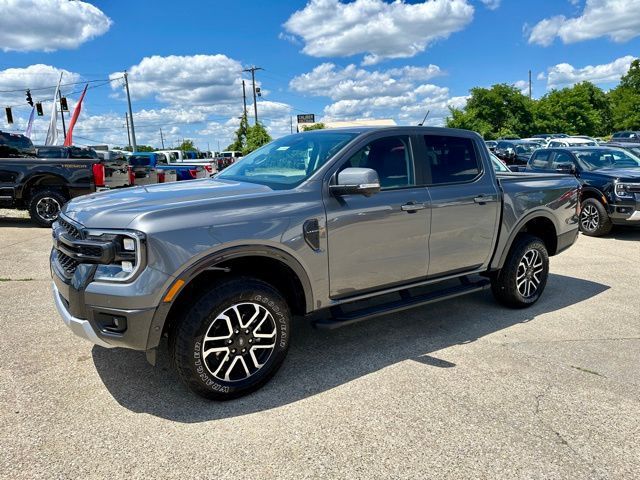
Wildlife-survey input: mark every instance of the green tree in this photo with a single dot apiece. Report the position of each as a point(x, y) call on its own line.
point(494, 112)
point(625, 100)
point(186, 145)
point(313, 126)
point(582, 109)
point(140, 148)
point(257, 136)
point(240, 141)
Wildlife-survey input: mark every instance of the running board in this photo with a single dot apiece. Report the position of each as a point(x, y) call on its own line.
point(340, 318)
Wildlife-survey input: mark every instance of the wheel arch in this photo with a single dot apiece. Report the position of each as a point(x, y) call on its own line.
point(591, 192)
point(270, 264)
point(45, 180)
point(540, 223)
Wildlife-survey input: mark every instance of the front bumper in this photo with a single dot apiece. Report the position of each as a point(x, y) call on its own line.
point(80, 327)
point(625, 213)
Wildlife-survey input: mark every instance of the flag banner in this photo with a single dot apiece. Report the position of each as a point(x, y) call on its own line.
point(52, 133)
point(68, 141)
point(27, 132)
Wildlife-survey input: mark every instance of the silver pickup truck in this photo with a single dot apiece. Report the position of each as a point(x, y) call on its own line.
point(335, 226)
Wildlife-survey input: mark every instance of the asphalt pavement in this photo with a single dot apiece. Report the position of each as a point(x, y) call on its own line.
point(459, 389)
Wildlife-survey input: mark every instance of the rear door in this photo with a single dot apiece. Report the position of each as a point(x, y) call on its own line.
point(380, 240)
point(465, 204)
point(540, 161)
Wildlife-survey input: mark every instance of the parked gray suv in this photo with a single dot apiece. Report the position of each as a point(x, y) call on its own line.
point(335, 226)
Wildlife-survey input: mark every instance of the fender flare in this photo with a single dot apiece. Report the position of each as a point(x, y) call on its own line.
point(540, 213)
point(596, 193)
point(192, 271)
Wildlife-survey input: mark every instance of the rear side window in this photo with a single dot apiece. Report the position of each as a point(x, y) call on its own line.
point(451, 159)
point(139, 161)
point(540, 159)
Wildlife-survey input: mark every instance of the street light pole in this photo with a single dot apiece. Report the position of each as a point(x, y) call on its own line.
point(133, 130)
point(253, 83)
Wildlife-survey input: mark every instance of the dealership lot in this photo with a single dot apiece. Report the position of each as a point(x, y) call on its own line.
point(463, 388)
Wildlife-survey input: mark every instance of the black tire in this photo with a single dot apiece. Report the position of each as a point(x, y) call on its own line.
point(594, 219)
point(507, 285)
point(45, 206)
point(218, 376)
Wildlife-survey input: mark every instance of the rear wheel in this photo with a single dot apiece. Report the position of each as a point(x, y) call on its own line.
point(594, 220)
point(45, 206)
point(523, 277)
point(233, 339)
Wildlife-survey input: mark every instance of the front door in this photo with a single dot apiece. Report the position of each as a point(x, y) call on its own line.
point(380, 240)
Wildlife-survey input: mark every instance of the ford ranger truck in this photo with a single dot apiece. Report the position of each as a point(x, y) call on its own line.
point(328, 226)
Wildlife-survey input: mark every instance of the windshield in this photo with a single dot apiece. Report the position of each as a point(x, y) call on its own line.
point(526, 147)
point(287, 162)
point(609, 158)
point(498, 165)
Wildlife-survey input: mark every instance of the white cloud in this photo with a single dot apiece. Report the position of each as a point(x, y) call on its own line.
point(41, 79)
point(491, 4)
point(186, 80)
point(381, 30)
point(564, 74)
point(352, 82)
point(48, 25)
point(615, 19)
point(523, 86)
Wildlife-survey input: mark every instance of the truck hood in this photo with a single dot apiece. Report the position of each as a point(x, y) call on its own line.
point(118, 208)
point(629, 174)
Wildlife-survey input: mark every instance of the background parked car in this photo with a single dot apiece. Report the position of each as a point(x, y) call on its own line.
point(116, 171)
point(571, 142)
point(148, 168)
point(515, 152)
point(186, 158)
point(610, 179)
point(226, 158)
point(491, 145)
point(626, 136)
point(630, 147)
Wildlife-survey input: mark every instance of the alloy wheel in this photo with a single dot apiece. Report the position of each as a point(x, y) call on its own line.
point(590, 218)
point(529, 273)
point(239, 342)
point(48, 208)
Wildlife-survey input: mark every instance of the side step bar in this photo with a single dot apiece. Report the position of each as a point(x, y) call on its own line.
point(339, 318)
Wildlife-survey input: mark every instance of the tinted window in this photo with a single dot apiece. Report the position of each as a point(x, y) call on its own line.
point(51, 153)
point(139, 160)
point(540, 159)
point(390, 158)
point(606, 158)
point(451, 159)
point(162, 159)
point(560, 159)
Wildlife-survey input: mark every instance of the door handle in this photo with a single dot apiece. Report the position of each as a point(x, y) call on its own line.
point(482, 199)
point(413, 207)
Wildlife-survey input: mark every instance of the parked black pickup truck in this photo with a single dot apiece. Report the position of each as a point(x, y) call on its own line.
point(41, 185)
point(610, 179)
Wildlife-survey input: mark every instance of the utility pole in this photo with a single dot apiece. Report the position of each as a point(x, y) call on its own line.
point(161, 138)
point(291, 122)
point(64, 127)
point(126, 117)
point(244, 99)
point(134, 147)
point(529, 84)
point(253, 83)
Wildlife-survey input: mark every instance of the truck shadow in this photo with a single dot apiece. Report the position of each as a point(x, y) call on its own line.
point(320, 360)
point(621, 232)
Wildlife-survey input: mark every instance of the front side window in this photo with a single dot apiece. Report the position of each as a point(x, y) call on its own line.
point(390, 158)
point(451, 159)
point(288, 161)
point(561, 158)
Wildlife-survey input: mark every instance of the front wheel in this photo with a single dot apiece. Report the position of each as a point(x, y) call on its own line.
point(233, 339)
point(523, 277)
point(594, 219)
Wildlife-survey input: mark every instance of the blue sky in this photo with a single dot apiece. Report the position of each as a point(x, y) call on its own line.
point(337, 59)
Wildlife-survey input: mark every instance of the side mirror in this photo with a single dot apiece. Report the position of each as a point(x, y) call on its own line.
point(569, 168)
point(356, 181)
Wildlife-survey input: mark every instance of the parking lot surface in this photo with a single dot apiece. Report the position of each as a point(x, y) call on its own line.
point(459, 389)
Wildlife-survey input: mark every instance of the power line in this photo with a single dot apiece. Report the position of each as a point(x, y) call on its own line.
point(62, 85)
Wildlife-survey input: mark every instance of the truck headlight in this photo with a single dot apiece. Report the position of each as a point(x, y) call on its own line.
point(622, 190)
point(128, 254)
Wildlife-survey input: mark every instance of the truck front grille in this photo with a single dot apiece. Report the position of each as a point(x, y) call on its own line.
point(71, 230)
point(68, 264)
